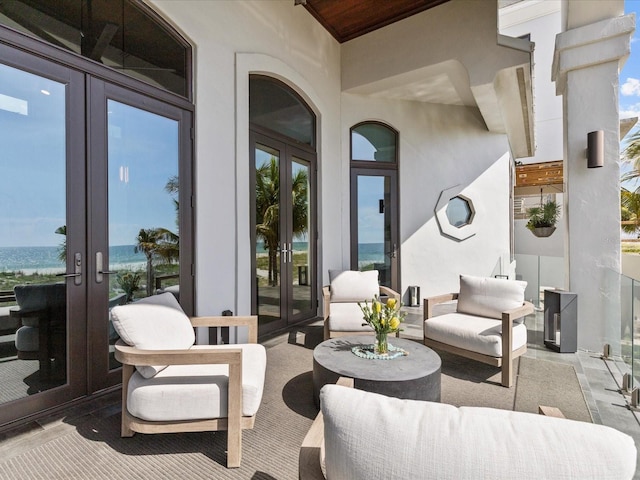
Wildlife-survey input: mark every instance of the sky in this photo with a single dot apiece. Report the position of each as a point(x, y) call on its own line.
point(630, 85)
point(630, 74)
point(142, 157)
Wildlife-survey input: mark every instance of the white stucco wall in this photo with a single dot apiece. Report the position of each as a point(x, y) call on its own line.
point(230, 40)
point(542, 20)
point(442, 146)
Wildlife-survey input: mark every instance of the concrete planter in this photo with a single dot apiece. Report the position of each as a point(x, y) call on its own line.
point(543, 232)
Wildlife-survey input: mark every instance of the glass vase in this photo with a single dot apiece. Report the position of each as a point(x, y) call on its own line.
point(381, 346)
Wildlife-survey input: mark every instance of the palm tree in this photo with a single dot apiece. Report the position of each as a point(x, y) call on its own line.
point(631, 153)
point(156, 243)
point(630, 210)
point(62, 248)
point(268, 210)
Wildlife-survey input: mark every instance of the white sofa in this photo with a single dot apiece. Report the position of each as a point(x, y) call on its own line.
point(371, 436)
point(487, 324)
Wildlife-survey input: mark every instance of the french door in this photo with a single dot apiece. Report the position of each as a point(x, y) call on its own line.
point(284, 251)
point(374, 223)
point(96, 212)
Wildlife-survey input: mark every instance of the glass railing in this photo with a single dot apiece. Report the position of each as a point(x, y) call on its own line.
point(543, 272)
point(629, 298)
point(540, 273)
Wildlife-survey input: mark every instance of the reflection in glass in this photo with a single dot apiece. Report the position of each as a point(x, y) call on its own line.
point(144, 245)
point(276, 107)
point(268, 233)
point(116, 33)
point(33, 308)
point(373, 142)
point(374, 225)
point(458, 212)
point(300, 218)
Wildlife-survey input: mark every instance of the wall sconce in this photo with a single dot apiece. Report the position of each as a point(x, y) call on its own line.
point(595, 149)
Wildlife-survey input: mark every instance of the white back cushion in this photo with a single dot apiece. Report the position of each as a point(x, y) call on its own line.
point(153, 323)
point(368, 435)
point(353, 286)
point(489, 297)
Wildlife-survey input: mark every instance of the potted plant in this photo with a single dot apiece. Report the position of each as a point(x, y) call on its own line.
point(542, 219)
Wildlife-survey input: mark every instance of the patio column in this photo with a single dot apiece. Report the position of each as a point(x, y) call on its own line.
point(587, 59)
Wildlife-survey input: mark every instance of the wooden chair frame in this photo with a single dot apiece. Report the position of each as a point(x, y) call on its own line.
point(326, 298)
point(505, 362)
point(233, 423)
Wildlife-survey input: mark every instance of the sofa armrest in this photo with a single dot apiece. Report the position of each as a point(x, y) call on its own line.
point(326, 300)
point(431, 301)
point(250, 321)
point(128, 355)
point(389, 292)
point(525, 309)
point(311, 455)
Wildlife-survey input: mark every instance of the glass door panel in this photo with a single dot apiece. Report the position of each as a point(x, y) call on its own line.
point(32, 252)
point(39, 303)
point(301, 254)
point(143, 254)
point(376, 226)
point(268, 242)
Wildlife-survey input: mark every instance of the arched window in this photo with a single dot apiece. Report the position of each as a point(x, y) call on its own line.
point(274, 106)
point(374, 142)
point(374, 201)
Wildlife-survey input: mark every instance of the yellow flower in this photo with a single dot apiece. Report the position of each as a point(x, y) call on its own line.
point(391, 303)
point(394, 323)
point(377, 307)
point(383, 322)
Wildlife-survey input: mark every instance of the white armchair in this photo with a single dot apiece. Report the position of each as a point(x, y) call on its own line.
point(487, 324)
point(342, 315)
point(171, 385)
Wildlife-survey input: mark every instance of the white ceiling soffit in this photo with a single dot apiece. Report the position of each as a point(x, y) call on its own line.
point(445, 83)
point(506, 104)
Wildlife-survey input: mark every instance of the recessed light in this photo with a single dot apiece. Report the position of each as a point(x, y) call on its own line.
point(45, 92)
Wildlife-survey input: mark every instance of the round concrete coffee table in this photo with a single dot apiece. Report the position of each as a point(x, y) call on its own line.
point(415, 376)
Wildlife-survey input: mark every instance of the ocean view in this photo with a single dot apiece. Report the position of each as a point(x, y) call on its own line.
point(45, 259)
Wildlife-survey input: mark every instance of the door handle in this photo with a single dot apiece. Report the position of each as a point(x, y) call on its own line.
point(99, 266)
point(77, 270)
point(287, 252)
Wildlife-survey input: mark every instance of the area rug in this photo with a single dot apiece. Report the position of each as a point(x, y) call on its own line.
point(89, 446)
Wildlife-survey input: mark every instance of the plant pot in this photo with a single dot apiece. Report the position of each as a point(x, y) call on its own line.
point(543, 232)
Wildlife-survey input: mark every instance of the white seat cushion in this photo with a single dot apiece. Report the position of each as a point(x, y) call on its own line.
point(153, 323)
point(424, 440)
point(353, 286)
point(347, 317)
point(477, 334)
point(196, 392)
point(489, 297)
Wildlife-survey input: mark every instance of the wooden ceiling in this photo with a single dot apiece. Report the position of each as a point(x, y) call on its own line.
point(348, 19)
point(539, 174)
